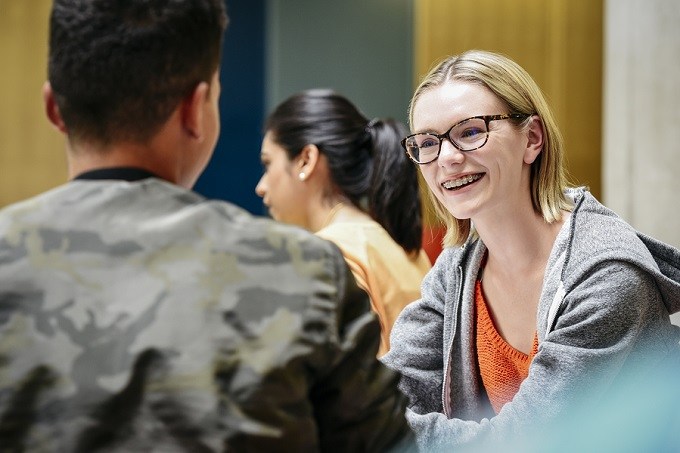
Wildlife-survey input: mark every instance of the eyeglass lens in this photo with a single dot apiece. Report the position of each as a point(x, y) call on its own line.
point(465, 136)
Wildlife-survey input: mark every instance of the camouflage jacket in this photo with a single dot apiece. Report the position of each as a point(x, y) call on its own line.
point(138, 316)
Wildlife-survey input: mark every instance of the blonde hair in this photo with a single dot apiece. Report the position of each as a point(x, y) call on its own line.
point(513, 85)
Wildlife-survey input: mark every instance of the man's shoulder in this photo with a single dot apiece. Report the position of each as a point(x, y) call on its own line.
point(259, 231)
point(152, 215)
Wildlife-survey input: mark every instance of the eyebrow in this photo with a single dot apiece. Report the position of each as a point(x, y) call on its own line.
point(432, 131)
point(426, 131)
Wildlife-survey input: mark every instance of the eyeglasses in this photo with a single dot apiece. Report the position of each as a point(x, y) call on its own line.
point(467, 135)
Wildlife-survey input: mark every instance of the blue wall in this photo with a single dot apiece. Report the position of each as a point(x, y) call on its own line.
point(235, 167)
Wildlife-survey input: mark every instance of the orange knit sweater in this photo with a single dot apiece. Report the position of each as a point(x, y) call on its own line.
point(503, 368)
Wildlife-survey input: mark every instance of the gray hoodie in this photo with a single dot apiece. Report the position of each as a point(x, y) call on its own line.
point(603, 317)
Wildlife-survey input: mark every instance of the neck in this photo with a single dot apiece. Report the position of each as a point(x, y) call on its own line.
point(170, 154)
point(84, 157)
point(331, 214)
point(337, 211)
point(519, 245)
point(80, 162)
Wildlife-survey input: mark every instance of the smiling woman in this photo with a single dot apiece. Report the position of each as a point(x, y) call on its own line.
point(541, 292)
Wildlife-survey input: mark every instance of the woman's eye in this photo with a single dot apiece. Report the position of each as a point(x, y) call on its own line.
point(428, 143)
point(471, 132)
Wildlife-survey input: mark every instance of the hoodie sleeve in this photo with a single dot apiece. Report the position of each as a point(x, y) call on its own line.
point(612, 328)
point(417, 344)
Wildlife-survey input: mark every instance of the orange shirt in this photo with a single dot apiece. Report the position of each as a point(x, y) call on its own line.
point(381, 267)
point(503, 368)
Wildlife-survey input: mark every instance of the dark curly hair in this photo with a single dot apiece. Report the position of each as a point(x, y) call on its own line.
point(118, 68)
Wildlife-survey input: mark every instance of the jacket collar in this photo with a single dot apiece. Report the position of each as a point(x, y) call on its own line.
point(120, 173)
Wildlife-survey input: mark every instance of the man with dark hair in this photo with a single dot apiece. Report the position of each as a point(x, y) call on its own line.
point(137, 316)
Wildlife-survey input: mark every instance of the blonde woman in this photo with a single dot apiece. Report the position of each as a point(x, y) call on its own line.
point(543, 300)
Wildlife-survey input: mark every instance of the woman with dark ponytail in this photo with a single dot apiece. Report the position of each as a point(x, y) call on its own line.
point(331, 170)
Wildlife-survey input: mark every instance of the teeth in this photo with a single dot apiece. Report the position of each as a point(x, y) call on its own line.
point(461, 181)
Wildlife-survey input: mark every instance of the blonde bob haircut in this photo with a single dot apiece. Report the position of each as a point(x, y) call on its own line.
point(515, 87)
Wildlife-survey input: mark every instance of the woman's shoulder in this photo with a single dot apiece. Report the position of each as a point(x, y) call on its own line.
point(599, 237)
point(461, 255)
point(456, 264)
point(368, 241)
point(358, 236)
point(598, 232)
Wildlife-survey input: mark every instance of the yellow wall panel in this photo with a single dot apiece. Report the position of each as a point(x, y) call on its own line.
point(559, 42)
point(32, 153)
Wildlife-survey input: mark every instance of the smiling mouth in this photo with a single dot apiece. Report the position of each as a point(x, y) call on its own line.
point(456, 184)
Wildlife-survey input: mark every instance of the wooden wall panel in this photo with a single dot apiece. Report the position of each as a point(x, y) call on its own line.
point(32, 153)
point(559, 42)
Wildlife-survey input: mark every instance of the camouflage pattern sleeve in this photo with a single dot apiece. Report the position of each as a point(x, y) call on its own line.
point(351, 401)
point(357, 403)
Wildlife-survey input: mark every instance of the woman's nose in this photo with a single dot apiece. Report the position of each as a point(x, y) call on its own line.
point(449, 153)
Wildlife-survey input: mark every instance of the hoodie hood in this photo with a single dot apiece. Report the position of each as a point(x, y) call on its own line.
point(667, 259)
point(622, 242)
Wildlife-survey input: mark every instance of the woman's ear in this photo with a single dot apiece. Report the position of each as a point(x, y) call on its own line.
point(52, 109)
point(307, 161)
point(535, 134)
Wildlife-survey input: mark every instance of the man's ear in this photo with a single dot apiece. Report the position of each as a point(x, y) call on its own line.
point(307, 161)
point(192, 110)
point(535, 134)
point(52, 109)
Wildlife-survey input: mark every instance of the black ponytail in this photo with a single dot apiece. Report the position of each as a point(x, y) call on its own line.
point(394, 200)
point(365, 159)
